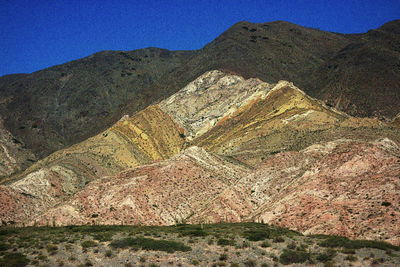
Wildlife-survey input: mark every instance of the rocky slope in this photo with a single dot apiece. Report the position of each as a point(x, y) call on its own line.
point(342, 187)
point(163, 193)
point(322, 184)
point(14, 156)
point(56, 107)
point(147, 136)
point(66, 104)
point(341, 81)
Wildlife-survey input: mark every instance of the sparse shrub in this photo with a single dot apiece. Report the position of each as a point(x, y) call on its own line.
point(223, 257)
point(108, 253)
point(225, 242)
point(377, 261)
point(150, 244)
point(14, 260)
point(250, 263)
point(302, 247)
point(195, 262)
point(292, 245)
point(88, 244)
point(351, 258)
point(51, 248)
point(289, 256)
point(103, 236)
point(274, 257)
point(339, 241)
point(234, 264)
point(191, 230)
point(153, 265)
point(195, 232)
point(256, 235)
point(348, 251)
point(264, 264)
point(278, 239)
point(245, 244)
point(42, 258)
point(4, 247)
point(329, 264)
point(326, 256)
point(265, 244)
point(210, 242)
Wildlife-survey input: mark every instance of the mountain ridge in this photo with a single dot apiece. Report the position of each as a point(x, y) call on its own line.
point(97, 90)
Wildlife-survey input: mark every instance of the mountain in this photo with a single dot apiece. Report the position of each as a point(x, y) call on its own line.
point(57, 107)
point(62, 105)
point(223, 148)
point(341, 81)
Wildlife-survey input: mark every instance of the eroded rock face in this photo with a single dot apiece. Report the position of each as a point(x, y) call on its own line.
point(223, 149)
point(149, 135)
point(211, 97)
point(344, 187)
point(13, 155)
point(353, 190)
point(162, 193)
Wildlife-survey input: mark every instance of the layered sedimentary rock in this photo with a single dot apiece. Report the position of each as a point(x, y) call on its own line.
point(149, 135)
point(285, 118)
point(213, 96)
point(162, 193)
point(251, 151)
point(342, 187)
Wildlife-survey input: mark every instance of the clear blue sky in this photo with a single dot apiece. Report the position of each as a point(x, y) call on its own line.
point(36, 34)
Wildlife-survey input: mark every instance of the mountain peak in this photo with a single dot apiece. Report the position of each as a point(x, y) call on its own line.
point(212, 96)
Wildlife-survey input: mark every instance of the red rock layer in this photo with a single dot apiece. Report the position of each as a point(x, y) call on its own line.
point(344, 187)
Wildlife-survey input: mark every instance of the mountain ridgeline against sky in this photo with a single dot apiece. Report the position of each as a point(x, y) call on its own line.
point(65, 104)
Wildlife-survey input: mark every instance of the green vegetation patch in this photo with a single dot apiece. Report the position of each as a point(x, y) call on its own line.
point(257, 235)
point(4, 247)
point(339, 241)
point(14, 260)
point(88, 244)
point(150, 244)
point(225, 242)
point(289, 256)
point(326, 256)
point(191, 230)
point(103, 236)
